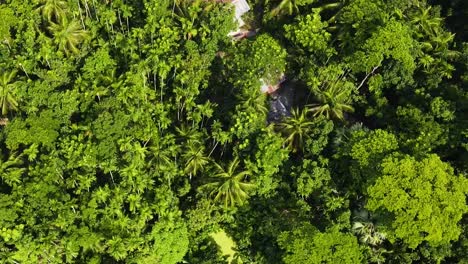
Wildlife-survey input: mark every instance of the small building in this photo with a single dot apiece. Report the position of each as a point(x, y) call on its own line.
point(240, 8)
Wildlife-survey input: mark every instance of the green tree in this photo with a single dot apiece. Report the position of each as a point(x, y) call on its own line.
point(390, 41)
point(267, 158)
point(307, 245)
point(7, 92)
point(424, 199)
point(310, 33)
point(229, 185)
point(334, 102)
point(8, 21)
point(332, 90)
point(263, 58)
point(367, 233)
point(196, 160)
point(53, 10)
point(418, 131)
point(68, 35)
point(359, 155)
point(285, 7)
point(296, 128)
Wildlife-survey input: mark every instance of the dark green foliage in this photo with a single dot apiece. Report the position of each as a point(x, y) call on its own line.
point(131, 131)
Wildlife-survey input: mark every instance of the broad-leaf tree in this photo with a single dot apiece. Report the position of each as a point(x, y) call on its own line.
point(423, 200)
point(306, 244)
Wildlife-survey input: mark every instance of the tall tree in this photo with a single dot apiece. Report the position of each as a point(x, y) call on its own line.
point(68, 35)
point(421, 199)
point(296, 128)
point(53, 10)
point(195, 159)
point(334, 101)
point(7, 92)
point(306, 244)
point(229, 185)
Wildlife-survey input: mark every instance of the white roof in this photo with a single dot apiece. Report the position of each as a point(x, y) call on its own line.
point(241, 7)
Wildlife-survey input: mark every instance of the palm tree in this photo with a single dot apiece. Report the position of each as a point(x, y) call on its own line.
point(367, 233)
point(53, 10)
point(257, 103)
point(229, 185)
point(10, 170)
point(333, 101)
point(195, 159)
point(289, 7)
point(425, 21)
point(188, 134)
point(296, 127)
point(161, 148)
point(68, 35)
point(285, 7)
point(7, 101)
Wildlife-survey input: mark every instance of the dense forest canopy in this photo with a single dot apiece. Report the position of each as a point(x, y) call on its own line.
point(321, 131)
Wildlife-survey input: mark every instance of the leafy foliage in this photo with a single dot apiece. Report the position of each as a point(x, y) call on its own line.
point(307, 245)
point(230, 187)
point(133, 130)
point(425, 198)
point(7, 92)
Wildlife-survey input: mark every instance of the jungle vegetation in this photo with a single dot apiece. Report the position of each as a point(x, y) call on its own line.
point(132, 131)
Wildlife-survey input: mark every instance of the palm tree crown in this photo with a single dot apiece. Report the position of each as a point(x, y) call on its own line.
point(68, 35)
point(285, 7)
point(229, 185)
point(7, 101)
point(53, 10)
point(296, 127)
point(196, 160)
point(333, 101)
point(367, 233)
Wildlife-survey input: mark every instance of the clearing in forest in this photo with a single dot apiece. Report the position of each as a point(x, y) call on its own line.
point(226, 244)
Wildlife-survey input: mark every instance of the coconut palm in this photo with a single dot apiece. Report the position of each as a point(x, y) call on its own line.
point(367, 233)
point(333, 101)
point(256, 103)
point(163, 151)
point(7, 87)
point(53, 10)
point(10, 170)
point(196, 160)
point(285, 7)
point(68, 35)
point(296, 127)
point(229, 185)
point(290, 7)
point(188, 134)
